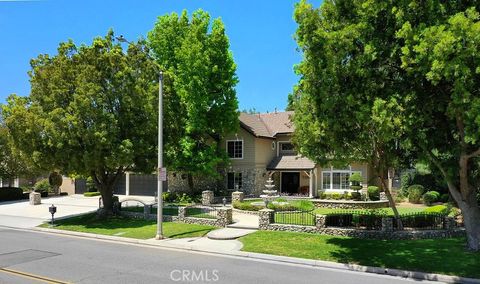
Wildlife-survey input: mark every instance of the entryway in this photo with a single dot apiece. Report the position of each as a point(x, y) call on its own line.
point(290, 182)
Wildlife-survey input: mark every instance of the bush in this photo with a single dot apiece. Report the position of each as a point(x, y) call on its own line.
point(42, 186)
point(91, 194)
point(415, 193)
point(399, 197)
point(10, 193)
point(444, 197)
point(337, 196)
point(430, 197)
point(440, 209)
point(246, 206)
point(323, 195)
point(373, 193)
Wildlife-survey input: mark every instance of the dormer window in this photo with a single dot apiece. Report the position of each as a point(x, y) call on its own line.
point(235, 149)
point(286, 148)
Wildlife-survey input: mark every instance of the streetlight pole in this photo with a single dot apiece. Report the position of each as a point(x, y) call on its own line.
point(159, 235)
point(161, 174)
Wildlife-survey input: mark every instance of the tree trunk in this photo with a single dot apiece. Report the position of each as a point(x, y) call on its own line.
point(392, 203)
point(106, 183)
point(471, 219)
point(190, 182)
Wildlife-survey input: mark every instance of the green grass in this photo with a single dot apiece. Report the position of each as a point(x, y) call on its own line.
point(130, 228)
point(170, 211)
point(445, 256)
point(388, 211)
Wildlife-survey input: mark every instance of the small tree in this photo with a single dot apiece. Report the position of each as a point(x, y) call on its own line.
point(55, 180)
point(356, 184)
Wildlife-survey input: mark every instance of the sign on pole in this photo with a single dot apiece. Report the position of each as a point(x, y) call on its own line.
point(162, 174)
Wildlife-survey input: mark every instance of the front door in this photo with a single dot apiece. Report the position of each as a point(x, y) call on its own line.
point(290, 182)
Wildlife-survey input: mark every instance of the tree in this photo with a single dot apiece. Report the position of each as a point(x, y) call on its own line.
point(346, 103)
point(200, 101)
point(401, 74)
point(92, 111)
point(55, 180)
point(13, 163)
point(445, 108)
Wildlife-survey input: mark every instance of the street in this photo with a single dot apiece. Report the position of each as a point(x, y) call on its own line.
point(77, 260)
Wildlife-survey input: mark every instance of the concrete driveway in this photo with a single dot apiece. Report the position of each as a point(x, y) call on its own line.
point(20, 214)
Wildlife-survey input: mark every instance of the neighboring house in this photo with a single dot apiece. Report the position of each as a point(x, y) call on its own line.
point(262, 148)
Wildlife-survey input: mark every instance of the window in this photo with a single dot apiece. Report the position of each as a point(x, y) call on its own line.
point(235, 149)
point(336, 179)
point(286, 148)
point(234, 180)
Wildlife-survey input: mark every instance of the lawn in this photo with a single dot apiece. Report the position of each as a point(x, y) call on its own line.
point(130, 228)
point(444, 256)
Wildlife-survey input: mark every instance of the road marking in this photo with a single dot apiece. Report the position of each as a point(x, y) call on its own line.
point(32, 276)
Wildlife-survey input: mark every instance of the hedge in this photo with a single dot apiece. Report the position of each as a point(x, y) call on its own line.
point(10, 193)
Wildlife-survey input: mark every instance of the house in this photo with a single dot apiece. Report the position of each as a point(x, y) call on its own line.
point(262, 149)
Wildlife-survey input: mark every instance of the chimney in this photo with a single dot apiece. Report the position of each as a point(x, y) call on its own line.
point(275, 110)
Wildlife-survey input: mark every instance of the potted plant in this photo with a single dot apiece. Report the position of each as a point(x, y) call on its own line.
point(356, 184)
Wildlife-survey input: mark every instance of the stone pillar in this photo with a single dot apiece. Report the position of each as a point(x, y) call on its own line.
point(35, 198)
point(448, 223)
point(224, 216)
point(265, 218)
point(127, 183)
point(207, 197)
point(320, 221)
point(383, 196)
point(181, 213)
point(238, 196)
point(387, 224)
point(310, 185)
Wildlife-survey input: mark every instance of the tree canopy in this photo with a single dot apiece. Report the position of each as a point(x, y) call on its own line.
point(200, 98)
point(390, 82)
point(92, 111)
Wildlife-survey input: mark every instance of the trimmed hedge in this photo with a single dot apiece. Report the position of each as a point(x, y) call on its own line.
point(430, 197)
point(246, 206)
point(91, 194)
point(373, 193)
point(415, 193)
point(10, 193)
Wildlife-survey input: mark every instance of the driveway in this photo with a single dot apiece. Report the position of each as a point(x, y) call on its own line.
point(20, 214)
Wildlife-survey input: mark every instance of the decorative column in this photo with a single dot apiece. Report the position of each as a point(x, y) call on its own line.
point(207, 197)
point(310, 186)
point(387, 224)
point(127, 183)
point(224, 216)
point(181, 213)
point(35, 198)
point(265, 218)
point(320, 221)
point(238, 196)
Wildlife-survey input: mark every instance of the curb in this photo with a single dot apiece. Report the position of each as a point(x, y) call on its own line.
point(415, 275)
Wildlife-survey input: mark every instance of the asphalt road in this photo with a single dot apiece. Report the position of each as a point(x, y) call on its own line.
point(79, 260)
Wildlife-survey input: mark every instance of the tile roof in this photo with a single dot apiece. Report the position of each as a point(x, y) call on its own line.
point(267, 124)
point(291, 163)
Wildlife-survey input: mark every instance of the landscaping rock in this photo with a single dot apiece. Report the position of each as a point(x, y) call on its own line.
point(35, 198)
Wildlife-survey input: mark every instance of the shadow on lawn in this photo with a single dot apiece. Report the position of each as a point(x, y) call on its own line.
point(445, 256)
point(92, 222)
point(191, 232)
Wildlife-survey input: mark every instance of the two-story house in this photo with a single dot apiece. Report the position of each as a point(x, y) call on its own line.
point(262, 148)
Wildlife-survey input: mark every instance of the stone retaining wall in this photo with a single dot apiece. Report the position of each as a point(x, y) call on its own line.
point(347, 204)
point(224, 217)
point(266, 218)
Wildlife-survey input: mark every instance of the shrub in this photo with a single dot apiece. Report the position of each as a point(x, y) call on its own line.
point(55, 180)
point(337, 196)
point(10, 193)
point(444, 197)
point(42, 186)
point(91, 194)
point(430, 197)
point(441, 209)
point(246, 206)
point(281, 199)
point(415, 193)
point(399, 197)
point(373, 192)
point(323, 195)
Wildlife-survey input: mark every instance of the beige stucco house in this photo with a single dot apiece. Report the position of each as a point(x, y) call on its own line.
point(262, 148)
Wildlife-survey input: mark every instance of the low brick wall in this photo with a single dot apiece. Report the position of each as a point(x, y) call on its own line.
point(266, 218)
point(349, 204)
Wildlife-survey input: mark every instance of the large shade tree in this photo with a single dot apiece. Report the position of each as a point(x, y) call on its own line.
point(400, 74)
point(92, 111)
point(200, 102)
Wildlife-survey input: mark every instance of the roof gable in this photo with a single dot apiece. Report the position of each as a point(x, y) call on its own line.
point(267, 124)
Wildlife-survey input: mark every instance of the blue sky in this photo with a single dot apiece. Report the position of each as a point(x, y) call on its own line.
point(260, 32)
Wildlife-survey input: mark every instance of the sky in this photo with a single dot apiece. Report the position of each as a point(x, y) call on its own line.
point(261, 38)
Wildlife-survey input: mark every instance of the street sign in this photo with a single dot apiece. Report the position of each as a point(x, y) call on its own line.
point(163, 174)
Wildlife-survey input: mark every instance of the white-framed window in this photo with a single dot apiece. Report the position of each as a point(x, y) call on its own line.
point(336, 179)
point(234, 180)
point(235, 149)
